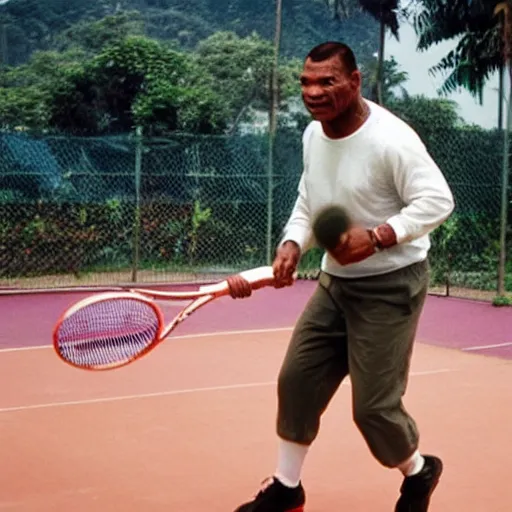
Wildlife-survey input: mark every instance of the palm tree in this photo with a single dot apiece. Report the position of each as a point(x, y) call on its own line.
point(505, 9)
point(479, 52)
point(391, 82)
point(386, 12)
point(484, 29)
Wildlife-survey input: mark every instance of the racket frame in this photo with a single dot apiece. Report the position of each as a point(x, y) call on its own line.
point(258, 278)
point(105, 297)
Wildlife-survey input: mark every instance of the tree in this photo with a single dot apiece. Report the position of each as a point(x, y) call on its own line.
point(479, 51)
point(386, 13)
point(392, 79)
point(483, 28)
point(504, 9)
point(35, 25)
point(27, 26)
point(93, 36)
point(428, 116)
point(138, 81)
point(26, 91)
point(243, 70)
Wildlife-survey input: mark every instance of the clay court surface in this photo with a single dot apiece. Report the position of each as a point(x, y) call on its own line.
point(190, 428)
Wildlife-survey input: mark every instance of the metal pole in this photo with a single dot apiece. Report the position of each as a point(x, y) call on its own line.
point(274, 106)
point(136, 221)
point(506, 8)
point(505, 198)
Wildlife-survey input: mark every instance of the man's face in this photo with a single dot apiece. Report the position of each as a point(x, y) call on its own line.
point(327, 89)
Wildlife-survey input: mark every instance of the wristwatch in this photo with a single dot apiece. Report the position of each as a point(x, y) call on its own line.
point(383, 236)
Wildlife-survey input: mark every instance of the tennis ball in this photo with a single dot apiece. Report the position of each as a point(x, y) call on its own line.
point(329, 224)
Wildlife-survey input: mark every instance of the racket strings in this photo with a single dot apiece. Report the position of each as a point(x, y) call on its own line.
point(108, 332)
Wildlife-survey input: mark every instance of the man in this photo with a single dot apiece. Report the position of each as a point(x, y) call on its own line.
point(363, 316)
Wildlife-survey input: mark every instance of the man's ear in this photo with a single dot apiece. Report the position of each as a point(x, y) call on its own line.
point(356, 79)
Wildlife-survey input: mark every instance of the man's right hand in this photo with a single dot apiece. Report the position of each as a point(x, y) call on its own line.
point(285, 264)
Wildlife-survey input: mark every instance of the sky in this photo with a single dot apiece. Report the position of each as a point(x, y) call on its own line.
point(417, 64)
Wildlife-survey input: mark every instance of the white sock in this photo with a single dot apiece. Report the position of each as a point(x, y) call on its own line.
point(413, 465)
point(290, 460)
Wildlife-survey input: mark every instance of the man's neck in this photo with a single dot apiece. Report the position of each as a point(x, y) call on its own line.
point(348, 123)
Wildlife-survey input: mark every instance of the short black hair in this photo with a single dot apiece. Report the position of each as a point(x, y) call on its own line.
point(329, 49)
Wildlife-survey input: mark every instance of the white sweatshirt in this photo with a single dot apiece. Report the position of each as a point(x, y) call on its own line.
point(381, 173)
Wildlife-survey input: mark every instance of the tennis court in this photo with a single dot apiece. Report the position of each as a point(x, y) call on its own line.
point(191, 426)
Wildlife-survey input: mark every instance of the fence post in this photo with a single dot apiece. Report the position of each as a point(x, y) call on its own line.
point(504, 198)
point(270, 198)
point(136, 217)
point(274, 108)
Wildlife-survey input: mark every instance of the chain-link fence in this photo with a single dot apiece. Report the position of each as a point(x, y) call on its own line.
point(465, 250)
point(119, 210)
point(82, 211)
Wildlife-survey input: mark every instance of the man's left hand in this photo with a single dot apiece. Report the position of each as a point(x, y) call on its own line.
point(355, 245)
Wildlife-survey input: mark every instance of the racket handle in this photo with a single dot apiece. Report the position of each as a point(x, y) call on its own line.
point(258, 277)
point(261, 277)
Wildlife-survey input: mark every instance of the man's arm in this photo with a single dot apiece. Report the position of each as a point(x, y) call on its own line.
point(298, 228)
point(424, 191)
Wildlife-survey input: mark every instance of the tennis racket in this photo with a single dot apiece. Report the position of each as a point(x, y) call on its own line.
point(113, 329)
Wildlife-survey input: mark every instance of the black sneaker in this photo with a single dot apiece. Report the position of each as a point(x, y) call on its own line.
point(276, 497)
point(416, 490)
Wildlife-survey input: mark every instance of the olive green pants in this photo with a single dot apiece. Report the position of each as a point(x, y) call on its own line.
point(364, 328)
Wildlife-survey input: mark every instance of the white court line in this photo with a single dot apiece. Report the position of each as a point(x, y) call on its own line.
point(486, 347)
point(174, 392)
point(183, 337)
point(135, 397)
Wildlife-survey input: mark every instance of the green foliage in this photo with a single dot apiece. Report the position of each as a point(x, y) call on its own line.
point(500, 301)
point(167, 108)
point(138, 81)
point(24, 107)
point(83, 233)
point(479, 51)
point(393, 79)
point(101, 67)
point(26, 92)
point(93, 237)
point(426, 115)
point(134, 80)
point(199, 217)
point(465, 250)
point(139, 55)
point(242, 71)
point(241, 66)
point(43, 69)
point(32, 25)
point(94, 36)
point(385, 11)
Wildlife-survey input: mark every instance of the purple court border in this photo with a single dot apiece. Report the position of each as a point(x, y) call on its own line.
point(26, 320)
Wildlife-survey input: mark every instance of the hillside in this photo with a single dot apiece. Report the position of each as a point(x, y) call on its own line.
point(29, 25)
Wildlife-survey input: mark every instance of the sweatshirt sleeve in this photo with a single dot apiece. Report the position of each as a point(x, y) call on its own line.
point(298, 228)
point(422, 187)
